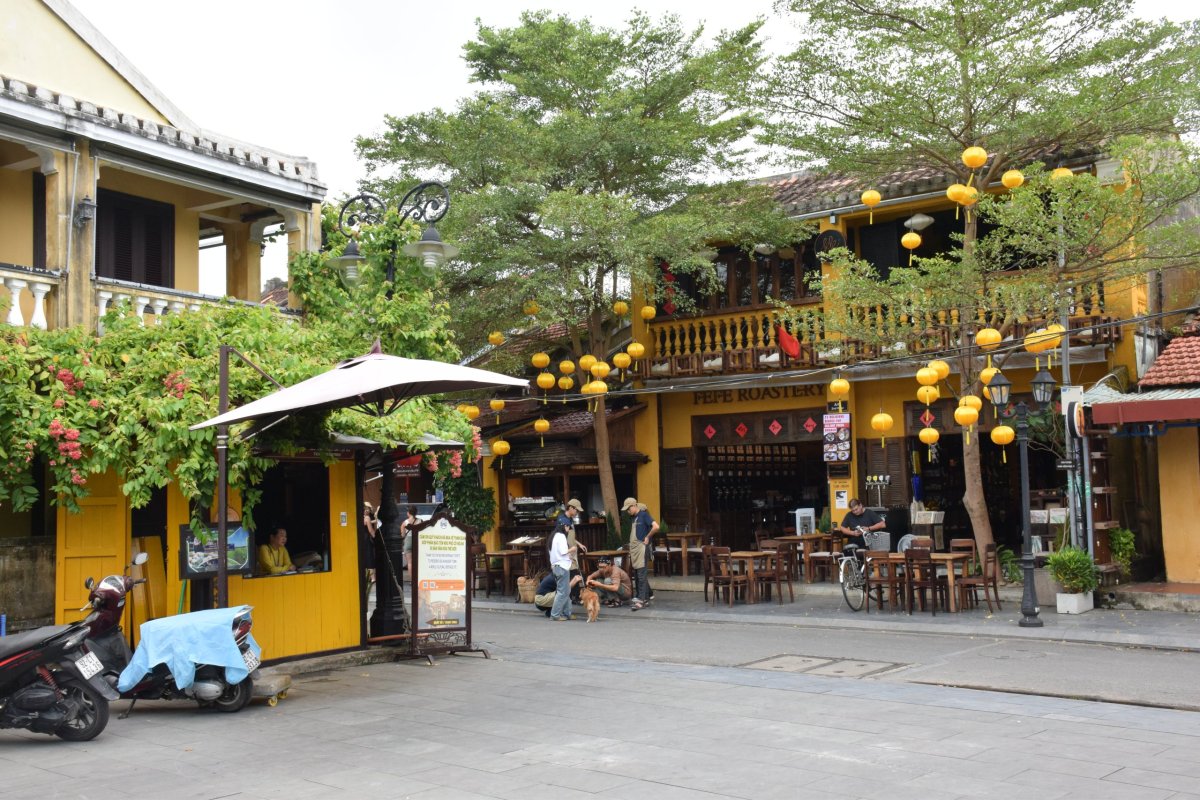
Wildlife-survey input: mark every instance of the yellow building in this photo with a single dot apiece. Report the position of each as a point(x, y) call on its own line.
point(108, 193)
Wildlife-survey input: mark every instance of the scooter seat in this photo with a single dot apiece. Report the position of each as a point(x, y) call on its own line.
point(11, 645)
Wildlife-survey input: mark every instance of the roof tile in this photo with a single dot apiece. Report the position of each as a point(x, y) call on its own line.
point(1177, 365)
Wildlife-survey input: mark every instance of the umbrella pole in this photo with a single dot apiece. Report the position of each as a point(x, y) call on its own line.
point(222, 480)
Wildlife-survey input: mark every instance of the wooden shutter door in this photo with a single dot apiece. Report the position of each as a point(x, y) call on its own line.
point(676, 482)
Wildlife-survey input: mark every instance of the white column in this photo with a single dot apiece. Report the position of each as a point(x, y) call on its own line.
point(193, 306)
point(177, 307)
point(103, 298)
point(40, 290)
point(160, 306)
point(143, 308)
point(15, 317)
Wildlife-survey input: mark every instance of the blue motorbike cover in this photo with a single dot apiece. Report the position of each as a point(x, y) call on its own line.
point(185, 641)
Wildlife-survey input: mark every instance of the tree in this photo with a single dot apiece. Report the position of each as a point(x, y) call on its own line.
point(878, 87)
point(577, 170)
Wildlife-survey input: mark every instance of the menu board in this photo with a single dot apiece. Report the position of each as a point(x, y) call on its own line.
point(837, 439)
point(441, 577)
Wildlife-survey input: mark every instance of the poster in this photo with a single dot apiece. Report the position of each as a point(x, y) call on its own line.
point(837, 440)
point(198, 553)
point(441, 554)
point(839, 490)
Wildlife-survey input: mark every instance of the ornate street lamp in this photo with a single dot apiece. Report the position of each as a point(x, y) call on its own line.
point(427, 203)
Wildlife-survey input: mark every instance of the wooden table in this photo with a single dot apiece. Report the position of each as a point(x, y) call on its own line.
point(590, 560)
point(953, 562)
point(748, 558)
point(508, 557)
point(526, 544)
point(809, 543)
point(684, 540)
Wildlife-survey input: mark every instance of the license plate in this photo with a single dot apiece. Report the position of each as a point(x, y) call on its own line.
point(252, 661)
point(89, 665)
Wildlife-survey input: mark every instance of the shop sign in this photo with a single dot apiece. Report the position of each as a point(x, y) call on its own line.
point(836, 437)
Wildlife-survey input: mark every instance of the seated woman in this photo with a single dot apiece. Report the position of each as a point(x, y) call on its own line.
point(273, 557)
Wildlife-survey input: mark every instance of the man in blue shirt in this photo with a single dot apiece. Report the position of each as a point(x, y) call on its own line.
point(641, 536)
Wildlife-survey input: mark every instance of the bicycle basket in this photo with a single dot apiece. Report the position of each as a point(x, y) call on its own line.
point(878, 540)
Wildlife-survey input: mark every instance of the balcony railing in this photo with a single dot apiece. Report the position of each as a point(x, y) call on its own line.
point(153, 303)
point(25, 284)
point(733, 342)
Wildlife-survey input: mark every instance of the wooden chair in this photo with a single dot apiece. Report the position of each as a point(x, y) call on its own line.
point(966, 583)
point(776, 573)
point(723, 574)
point(920, 574)
point(882, 575)
point(481, 570)
point(706, 565)
point(663, 555)
point(825, 560)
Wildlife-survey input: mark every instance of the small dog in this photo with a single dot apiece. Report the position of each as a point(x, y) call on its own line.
point(591, 603)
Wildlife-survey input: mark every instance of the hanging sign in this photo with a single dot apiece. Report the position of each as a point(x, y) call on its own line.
point(836, 447)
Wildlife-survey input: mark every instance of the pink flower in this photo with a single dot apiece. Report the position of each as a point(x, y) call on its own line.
point(58, 402)
point(72, 434)
point(53, 463)
point(94, 403)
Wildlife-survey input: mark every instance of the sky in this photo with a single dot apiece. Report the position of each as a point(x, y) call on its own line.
point(305, 77)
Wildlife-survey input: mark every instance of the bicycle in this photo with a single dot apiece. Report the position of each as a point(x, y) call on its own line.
point(852, 569)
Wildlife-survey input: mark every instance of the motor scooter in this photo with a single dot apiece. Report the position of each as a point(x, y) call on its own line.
point(50, 684)
point(163, 667)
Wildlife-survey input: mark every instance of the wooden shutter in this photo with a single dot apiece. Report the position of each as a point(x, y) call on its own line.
point(878, 460)
point(135, 239)
point(676, 483)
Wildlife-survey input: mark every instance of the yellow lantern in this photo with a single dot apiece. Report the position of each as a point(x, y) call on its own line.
point(586, 362)
point(501, 448)
point(566, 383)
point(928, 435)
point(541, 426)
point(1061, 172)
point(586, 388)
point(941, 367)
point(620, 308)
point(566, 367)
point(600, 370)
point(987, 374)
point(497, 406)
point(495, 338)
point(648, 312)
point(599, 387)
point(622, 360)
point(531, 308)
point(970, 401)
point(970, 196)
point(461, 408)
point(881, 423)
point(839, 388)
point(928, 376)
point(545, 381)
point(1058, 331)
point(966, 416)
point(870, 198)
point(954, 192)
point(987, 338)
point(928, 394)
point(911, 241)
point(472, 412)
point(1003, 435)
point(974, 157)
point(636, 350)
point(1013, 178)
point(1039, 340)
point(540, 360)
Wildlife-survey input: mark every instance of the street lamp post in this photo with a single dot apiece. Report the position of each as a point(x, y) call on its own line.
point(427, 203)
point(998, 392)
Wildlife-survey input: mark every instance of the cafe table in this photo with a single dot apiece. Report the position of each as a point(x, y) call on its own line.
point(528, 544)
point(749, 560)
point(954, 563)
point(809, 544)
point(508, 557)
point(591, 559)
point(685, 545)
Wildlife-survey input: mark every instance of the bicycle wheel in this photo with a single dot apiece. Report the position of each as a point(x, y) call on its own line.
point(854, 586)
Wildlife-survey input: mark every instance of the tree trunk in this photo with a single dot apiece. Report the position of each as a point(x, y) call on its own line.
point(973, 496)
point(608, 489)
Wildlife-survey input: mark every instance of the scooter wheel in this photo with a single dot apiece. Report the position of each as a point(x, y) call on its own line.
point(93, 713)
point(235, 697)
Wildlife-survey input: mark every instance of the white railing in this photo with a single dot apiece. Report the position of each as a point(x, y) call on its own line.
point(37, 284)
point(152, 303)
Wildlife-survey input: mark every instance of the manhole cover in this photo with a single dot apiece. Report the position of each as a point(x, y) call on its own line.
point(831, 667)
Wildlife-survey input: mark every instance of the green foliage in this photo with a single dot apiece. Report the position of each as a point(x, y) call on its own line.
point(1010, 564)
point(825, 523)
point(1074, 569)
point(1122, 544)
point(469, 501)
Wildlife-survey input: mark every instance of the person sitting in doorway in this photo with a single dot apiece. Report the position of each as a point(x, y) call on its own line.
point(611, 582)
point(273, 557)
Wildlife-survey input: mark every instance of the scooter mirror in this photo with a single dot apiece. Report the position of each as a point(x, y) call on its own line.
point(89, 583)
point(141, 558)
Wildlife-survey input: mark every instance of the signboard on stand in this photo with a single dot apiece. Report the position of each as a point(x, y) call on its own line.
point(441, 587)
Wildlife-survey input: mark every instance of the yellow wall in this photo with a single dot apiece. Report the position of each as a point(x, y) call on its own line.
point(16, 217)
point(53, 57)
point(1179, 494)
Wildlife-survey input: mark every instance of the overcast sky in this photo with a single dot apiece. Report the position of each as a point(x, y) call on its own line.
point(305, 77)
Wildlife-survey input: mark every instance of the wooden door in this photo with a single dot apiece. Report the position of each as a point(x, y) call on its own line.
point(676, 482)
point(93, 543)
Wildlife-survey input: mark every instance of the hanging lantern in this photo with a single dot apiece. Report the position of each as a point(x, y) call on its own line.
point(928, 435)
point(987, 374)
point(531, 308)
point(566, 383)
point(540, 360)
point(970, 196)
point(839, 388)
point(971, 401)
point(472, 412)
point(461, 408)
point(928, 394)
point(928, 376)
point(1013, 178)
point(881, 423)
point(545, 381)
point(1039, 340)
point(941, 367)
point(870, 198)
point(636, 350)
point(541, 426)
point(497, 406)
point(495, 338)
point(974, 157)
point(911, 241)
point(648, 312)
point(987, 338)
point(1061, 172)
point(600, 370)
point(620, 308)
point(501, 448)
point(1003, 435)
point(966, 416)
point(566, 367)
point(586, 362)
point(622, 360)
point(954, 192)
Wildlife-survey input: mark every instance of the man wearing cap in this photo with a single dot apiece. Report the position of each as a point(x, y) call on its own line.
point(567, 520)
point(640, 536)
point(611, 583)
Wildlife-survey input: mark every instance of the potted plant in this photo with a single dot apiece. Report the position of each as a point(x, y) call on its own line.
point(1075, 570)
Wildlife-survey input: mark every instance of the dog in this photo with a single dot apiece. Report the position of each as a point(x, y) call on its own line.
point(591, 604)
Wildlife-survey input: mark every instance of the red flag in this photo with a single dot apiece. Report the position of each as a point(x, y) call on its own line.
point(789, 344)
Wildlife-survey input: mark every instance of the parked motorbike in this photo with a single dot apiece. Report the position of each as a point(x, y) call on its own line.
point(169, 674)
point(50, 684)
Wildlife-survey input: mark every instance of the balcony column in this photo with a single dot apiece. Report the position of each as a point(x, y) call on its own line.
point(39, 290)
point(160, 306)
point(103, 298)
point(15, 316)
point(143, 308)
point(177, 307)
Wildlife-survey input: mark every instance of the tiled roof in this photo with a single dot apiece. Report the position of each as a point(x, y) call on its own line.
point(575, 423)
point(1177, 365)
point(561, 454)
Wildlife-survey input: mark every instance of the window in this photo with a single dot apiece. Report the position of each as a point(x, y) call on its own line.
point(295, 496)
point(135, 239)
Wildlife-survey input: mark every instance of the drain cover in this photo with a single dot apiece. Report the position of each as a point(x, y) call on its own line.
point(833, 667)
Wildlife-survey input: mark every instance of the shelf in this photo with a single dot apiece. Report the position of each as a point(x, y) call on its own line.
point(1107, 525)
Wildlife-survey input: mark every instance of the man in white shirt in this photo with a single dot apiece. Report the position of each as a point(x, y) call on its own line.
point(560, 565)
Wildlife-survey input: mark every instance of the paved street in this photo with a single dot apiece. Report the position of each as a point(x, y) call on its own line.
point(655, 708)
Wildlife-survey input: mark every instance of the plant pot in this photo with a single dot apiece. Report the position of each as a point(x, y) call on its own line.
point(1045, 588)
point(1075, 603)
